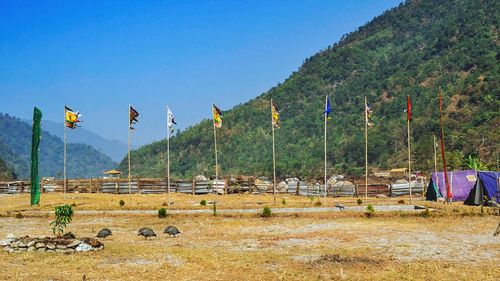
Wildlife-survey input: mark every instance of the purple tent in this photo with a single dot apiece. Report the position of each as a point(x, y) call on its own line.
point(461, 183)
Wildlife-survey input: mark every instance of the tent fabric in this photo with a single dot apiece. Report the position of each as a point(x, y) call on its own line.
point(461, 184)
point(486, 186)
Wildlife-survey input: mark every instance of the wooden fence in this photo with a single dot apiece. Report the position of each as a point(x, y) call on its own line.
point(160, 186)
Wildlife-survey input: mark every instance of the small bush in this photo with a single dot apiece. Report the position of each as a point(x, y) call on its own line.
point(73, 205)
point(311, 198)
point(370, 211)
point(203, 202)
point(426, 213)
point(266, 212)
point(283, 201)
point(162, 213)
point(19, 215)
point(122, 203)
point(164, 204)
point(359, 201)
point(318, 203)
point(63, 216)
point(215, 209)
point(401, 201)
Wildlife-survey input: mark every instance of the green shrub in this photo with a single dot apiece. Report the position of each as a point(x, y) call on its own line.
point(283, 201)
point(370, 211)
point(63, 216)
point(266, 212)
point(318, 203)
point(162, 213)
point(359, 201)
point(203, 202)
point(122, 203)
point(425, 213)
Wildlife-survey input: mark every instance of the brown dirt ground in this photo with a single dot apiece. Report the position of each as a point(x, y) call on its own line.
point(453, 244)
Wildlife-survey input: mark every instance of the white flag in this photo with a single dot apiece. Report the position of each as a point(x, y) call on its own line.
point(170, 120)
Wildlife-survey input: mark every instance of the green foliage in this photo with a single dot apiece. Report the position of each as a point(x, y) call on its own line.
point(474, 163)
point(425, 213)
point(63, 216)
point(370, 211)
point(203, 202)
point(410, 50)
point(162, 213)
point(283, 201)
point(15, 145)
point(359, 201)
point(122, 203)
point(6, 172)
point(266, 212)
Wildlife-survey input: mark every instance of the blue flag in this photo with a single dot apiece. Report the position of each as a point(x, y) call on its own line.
point(327, 108)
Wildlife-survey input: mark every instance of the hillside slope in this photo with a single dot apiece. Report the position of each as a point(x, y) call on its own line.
point(116, 150)
point(410, 50)
point(15, 148)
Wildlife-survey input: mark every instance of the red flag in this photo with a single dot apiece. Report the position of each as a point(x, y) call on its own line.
point(408, 108)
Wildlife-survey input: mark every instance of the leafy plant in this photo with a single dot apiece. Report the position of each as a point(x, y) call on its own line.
point(122, 203)
point(19, 215)
point(162, 213)
point(425, 213)
point(63, 216)
point(203, 202)
point(370, 211)
point(266, 212)
point(283, 201)
point(359, 201)
point(318, 203)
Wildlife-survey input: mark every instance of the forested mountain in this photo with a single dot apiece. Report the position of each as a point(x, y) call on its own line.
point(116, 150)
point(410, 50)
point(6, 172)
point(15, 149)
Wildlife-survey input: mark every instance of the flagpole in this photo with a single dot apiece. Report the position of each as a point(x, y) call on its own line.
point(409, 151)
point(326, 117)
point(168, 159)
point(65, 151)
point(366, 148)
point(216, 163)
point(274, 156)
point(129, 169)
point(435, 160)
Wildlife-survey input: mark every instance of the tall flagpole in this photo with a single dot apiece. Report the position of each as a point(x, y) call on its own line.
point(409, 151)
point(65, 150)
point(129, 170)
point(449, 194)
point(168, 159)
point(274, 155)
point(366, 148)
point(216, 163)
point(326, 117)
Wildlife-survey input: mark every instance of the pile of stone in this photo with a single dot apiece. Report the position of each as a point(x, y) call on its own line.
point(50, 244)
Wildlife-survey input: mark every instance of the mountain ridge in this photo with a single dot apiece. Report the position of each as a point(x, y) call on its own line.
point(413, 49)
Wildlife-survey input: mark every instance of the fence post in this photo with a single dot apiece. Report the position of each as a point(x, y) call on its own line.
point(138, 186)
point(41, 186)
point(90, 188)
point(116, 186)
point(21, 188)
point(298, 188)
point(194, 186)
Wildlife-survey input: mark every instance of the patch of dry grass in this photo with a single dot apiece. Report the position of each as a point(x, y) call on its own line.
point(454, 243)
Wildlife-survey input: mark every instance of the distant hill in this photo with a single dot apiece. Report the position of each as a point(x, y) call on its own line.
point(15, 149)
point(410, 50)
point(116, 150)
point(6, 172)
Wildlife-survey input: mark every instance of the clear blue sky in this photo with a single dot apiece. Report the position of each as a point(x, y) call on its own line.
point(99, 56)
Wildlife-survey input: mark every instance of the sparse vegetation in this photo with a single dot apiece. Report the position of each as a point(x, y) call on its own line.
point(401, 201)
point(318, 203)
point(19, 215)
point(122, 203)
point(162, 213)
point(359, 201)
point(283, 201)
point(63, 216)
point(266, 212)
point(370, 211)
point(203, 202)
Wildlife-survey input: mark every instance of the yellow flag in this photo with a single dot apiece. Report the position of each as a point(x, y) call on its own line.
point(217, 114)
point(276, 116)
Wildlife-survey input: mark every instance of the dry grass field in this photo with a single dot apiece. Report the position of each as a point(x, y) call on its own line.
point(454, 243)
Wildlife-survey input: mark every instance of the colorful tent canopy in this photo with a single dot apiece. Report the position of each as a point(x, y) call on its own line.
point(461, 183)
